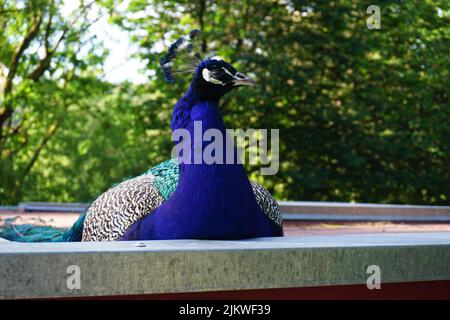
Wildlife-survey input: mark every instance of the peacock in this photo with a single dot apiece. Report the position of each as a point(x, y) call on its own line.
point(180, 198)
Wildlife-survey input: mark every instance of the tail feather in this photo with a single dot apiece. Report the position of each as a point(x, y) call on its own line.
point(75, 233)
point(30, 233)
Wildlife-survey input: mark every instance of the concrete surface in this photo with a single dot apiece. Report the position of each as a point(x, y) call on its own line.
point(340, 211)
point(309, 228)
point(297, 210)
point(122, 268)
point(291, 227)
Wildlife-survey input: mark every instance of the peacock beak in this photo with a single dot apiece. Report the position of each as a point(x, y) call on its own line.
point(243, 80)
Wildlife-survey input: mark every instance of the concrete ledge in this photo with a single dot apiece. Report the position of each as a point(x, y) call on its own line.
point(295, 210)
point(38, 270)
point(340, 211)
point(52, 206)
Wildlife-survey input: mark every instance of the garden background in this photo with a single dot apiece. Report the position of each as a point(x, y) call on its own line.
point(363, 113)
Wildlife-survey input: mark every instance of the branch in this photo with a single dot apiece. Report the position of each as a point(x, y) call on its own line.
point(11, 153)
point(50, 132)
point(201, 15)
point(23, 46)
point(43, 63)
point(32, 33)
point(18, 184)
point(48, 29)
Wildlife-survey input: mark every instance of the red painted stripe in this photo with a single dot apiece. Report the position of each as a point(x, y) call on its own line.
point(423, 290)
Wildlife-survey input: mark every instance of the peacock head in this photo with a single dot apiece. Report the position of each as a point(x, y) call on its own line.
point(213, 77)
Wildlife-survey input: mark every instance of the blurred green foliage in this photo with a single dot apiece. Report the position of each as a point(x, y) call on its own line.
point(363, 114)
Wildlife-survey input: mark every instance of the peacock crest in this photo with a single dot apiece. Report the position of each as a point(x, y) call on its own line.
point(183, 56)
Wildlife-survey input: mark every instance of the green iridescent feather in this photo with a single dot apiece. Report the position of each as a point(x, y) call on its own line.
point(166, 177)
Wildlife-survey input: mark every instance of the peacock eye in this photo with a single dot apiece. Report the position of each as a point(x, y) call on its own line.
point(217, 72)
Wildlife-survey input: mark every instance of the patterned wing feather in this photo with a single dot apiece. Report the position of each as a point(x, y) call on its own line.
point(113, 212)
point(267, 203)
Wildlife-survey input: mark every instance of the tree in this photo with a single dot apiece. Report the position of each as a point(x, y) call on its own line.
point(44, 55)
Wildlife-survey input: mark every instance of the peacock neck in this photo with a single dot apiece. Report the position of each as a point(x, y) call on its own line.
point(199, 119)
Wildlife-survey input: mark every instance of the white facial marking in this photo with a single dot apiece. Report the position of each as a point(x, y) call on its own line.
point(228, 72)
point(207, 76)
